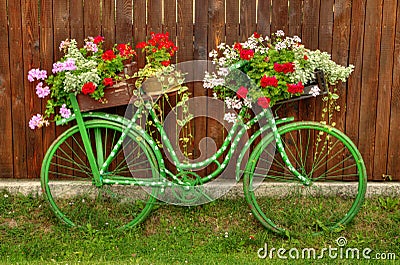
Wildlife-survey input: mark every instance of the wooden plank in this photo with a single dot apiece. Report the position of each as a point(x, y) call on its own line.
point(355, 58)
point(169, 24)
point(108, 30)
point(264, 17)
point(340, 54)
point(294, 28)
point(19, 122)
point(214, 129)
point(247, 18)
point(295, 17)
point(6, 152)
point(326, 24)
point(310, 31)
point(184, 41)
point(325, 34)
point(123, 23)
point(62, 17)
point(46, 58)
point(155, 15)
point(384, 88)
point(232, 22)
point(393, 168)
point(91, 18)
point(75, 16)
point(139, 24)
point(200, 31)
point(369, 80)
point(279, 17)
point(30, 37)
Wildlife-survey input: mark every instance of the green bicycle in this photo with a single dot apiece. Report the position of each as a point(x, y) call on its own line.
point(107, 171)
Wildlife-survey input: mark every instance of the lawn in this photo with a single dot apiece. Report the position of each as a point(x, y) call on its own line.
point(221, 232)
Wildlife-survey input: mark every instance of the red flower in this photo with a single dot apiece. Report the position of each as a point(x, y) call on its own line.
point(246, 54)
point(108, 55)
point(242, 92)
point(269, 81)
point(256, 35)
point(108, 81)
point(238, 46)
point(284, 68)
point(295, 88)
point(305, 57)
point(141, 45)
point(263, 102)
point(165, 63)
point(88, 88)
point(98, 39)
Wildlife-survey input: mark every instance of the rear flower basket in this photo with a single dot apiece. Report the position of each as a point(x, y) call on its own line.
point(119, 94)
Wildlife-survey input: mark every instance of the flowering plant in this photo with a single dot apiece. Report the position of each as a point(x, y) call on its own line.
point(159, 49)
point(88, 70)
point(278, 68)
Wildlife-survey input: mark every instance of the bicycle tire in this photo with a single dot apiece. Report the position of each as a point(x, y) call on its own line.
point(68, 183)
point(328, 158)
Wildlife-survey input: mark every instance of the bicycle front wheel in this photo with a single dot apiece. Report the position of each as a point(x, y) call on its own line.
point(68, 183)
point(324, 155)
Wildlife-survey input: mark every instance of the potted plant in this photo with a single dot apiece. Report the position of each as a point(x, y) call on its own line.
point(276, 68)
point(88, 70)
point(158, 76)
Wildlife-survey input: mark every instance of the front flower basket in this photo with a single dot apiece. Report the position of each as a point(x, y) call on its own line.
point(117, 95)
point(319, 82)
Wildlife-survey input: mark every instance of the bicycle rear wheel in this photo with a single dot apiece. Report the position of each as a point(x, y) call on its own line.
point(68, 183)
point(323, 154)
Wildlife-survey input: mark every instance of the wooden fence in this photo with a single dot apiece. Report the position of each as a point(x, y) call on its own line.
point(365, 33)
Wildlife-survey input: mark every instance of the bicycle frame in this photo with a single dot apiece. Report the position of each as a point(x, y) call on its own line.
point(239, 128)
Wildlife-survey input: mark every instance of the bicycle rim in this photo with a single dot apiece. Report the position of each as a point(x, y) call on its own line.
point(68, 183)
point(329, 159)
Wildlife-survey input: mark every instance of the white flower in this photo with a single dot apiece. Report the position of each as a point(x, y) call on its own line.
point(221, 46)
point(230, 117)
point(236, 104)
point(314, 91)
point(223, 71)
point(297, 39)
point(280, 33)
point(213, 54)
point(247, 102)
point(211, 80)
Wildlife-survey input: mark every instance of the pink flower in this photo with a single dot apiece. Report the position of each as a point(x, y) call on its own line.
point(41, 91)
point(269, 81)
point(37, 121)
point(242, 92)
point(38, 74)
point(263, 102)
point(65, 112)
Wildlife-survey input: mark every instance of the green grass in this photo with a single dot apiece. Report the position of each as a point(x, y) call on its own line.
point(222, 232)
